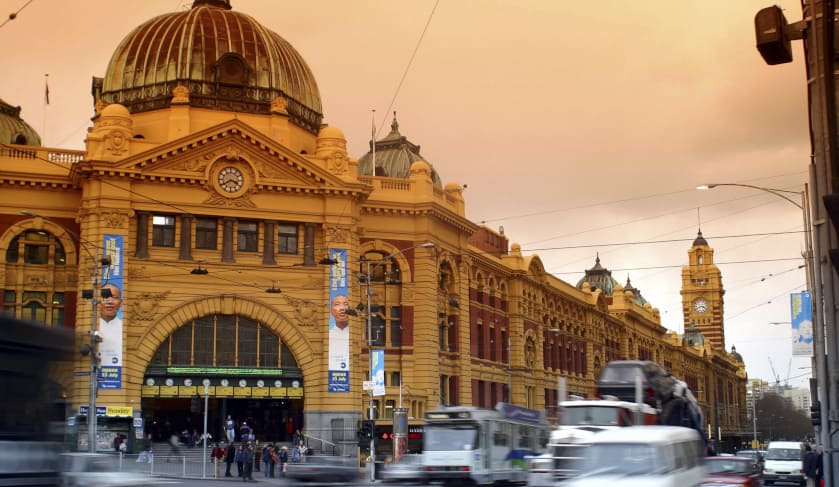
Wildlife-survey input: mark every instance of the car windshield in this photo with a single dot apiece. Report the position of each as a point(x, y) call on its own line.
point(783, 454)
point(620, 459)
point(594, 415)
point(731, 466)
point(621, 374)
point(450, 437)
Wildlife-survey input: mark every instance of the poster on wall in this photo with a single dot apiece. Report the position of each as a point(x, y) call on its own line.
point(110, 315)
point(339, 323)
point(801, 317)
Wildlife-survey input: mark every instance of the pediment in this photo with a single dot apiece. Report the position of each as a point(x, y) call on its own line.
point(202, 156)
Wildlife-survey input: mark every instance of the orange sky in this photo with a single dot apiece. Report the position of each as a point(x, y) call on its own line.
point(575, 125)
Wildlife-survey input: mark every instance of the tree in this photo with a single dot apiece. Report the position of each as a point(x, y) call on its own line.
point(778, 419)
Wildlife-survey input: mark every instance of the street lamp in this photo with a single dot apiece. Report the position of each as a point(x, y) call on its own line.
point(814, 281)
point(367, 280)
point(91, 348)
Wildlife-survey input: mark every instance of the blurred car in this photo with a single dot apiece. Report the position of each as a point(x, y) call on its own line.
point(407, 469)
point(97, 470)
point(620, 379)
point(755, 455)
point(325, 469)
point(727, 471)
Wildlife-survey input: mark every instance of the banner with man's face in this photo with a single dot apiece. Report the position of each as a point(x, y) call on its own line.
point(339, 324)
point(109, 309)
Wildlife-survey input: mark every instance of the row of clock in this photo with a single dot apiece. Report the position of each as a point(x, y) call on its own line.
point(223, 383)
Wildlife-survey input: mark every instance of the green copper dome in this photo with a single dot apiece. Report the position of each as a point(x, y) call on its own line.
point(13, 129)
point(394, 156)
point(226, 59)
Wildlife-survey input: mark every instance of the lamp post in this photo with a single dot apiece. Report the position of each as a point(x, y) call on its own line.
point(369, 292)
point(92, 347)
point(814, 283)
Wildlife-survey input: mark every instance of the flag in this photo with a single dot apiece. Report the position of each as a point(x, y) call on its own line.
point(46, 90)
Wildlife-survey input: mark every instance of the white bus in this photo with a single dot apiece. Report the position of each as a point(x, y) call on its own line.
point(469, 445)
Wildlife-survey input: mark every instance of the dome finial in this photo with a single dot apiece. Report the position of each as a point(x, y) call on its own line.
point(225, 4)
point(394, 126)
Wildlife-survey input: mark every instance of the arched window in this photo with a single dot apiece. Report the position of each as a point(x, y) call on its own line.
point(39, 257)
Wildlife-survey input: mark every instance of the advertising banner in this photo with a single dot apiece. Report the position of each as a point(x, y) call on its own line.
point(339, 323)
point(110, 315)
point(377, 371)
point(801, 317)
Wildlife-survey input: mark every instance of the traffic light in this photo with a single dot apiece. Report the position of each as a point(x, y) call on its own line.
point(816, 414)
point(365, 434)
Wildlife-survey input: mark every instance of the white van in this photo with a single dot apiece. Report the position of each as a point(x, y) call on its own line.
point(783, 463)
point(649, 456)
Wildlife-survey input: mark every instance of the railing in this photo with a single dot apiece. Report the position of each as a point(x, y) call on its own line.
point(66, 157)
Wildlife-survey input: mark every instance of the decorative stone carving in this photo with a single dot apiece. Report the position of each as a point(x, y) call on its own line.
point(145, 305)
point(337, 234)
point(216, 199)
point(180, 95)
point(338, 163)
point(36, 280)
point(279, 105)
point(115, 218)
point(305, 311)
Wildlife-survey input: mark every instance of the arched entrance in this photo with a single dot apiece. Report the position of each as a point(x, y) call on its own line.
point(250, 372)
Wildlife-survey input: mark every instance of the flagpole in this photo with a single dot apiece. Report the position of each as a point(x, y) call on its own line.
point(46, 102)
point(373, 169)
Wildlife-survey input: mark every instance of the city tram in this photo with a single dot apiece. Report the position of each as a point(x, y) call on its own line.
point(469, 445)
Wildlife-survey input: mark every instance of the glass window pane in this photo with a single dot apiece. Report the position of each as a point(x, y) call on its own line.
point(57, 317)
point(248, 237)
point(203, 354)
point(36, 254)
point(268, 348)
point(9, 296)
point(225, 341)
point(287, 238)
point(161, 356)
point(206, 233)
point(13, 250)
point(163, 231)
point(181, 345)
point(247, 342)
point(60, 257)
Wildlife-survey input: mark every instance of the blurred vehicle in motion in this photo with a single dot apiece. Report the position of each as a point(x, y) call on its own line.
point(783, 463)
point(649, 456)
point(755, 455)
point(579, 420)
point(97, 470)
point(407, 469)
point(466, 445)
point(729, 471)
point(620, 378)
point(34, 363)
point(324, 469)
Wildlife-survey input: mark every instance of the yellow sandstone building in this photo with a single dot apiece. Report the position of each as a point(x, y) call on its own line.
point(230, 216)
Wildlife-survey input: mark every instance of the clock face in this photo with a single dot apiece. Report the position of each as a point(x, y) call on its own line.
point(700, 305)
point(230, 179)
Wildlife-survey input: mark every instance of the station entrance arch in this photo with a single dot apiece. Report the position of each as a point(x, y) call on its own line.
point(248, 370)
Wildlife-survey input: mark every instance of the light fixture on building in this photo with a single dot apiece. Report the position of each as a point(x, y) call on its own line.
point(273, 289)
point(453, 303)
point(199, 271)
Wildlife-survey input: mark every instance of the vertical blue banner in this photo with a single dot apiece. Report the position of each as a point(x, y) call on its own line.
point(339, 324)
point(377, 371)
point(110, 315)
point(801, 317)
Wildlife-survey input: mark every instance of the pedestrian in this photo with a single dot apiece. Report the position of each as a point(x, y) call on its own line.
point(240, 457)
point(811, 468)
point(146, 453)
point(283, 460)
point(303, 451)
point(117, 442)
point(230, 429)
point(295, 454)
point(296, 438)
point(257, 454)
point(229, 458)
point(266, 459)
point(248, 458)
point(218, 456)
point(174, 448)
point(245, 432)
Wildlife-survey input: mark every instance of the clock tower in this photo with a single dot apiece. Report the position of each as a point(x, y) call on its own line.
point(702, 292)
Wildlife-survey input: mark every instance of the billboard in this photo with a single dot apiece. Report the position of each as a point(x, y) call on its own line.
point(801, 317)
point(339, 324)
point(110, 307)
